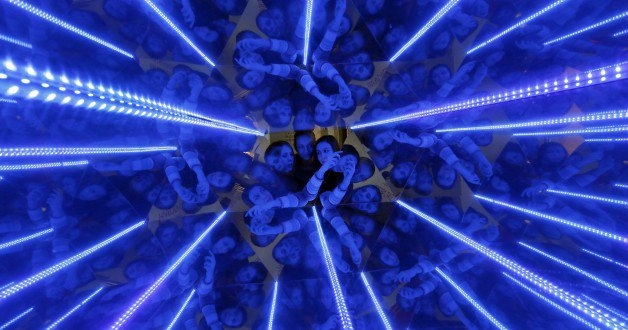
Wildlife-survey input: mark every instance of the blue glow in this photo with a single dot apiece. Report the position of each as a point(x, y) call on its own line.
point(576, 131)
point(15, 288)
point(517, 25)
point(606, 307)
point(620, 33)
point(540, 282)
point(343, 312)
point(271, 317)
point(442, 12)
point(621, 185)
point(12, 90)
point(38, 166)
point(587, 28)
point(599, 256)
point(178, 31)
point(181, 309)
point(15, 319)
point(593, 230)
point(74, 151)
point(577, 269)
point(593, 140)
point(559, 84)
point(9, 65)
point(74, 309)
point(470, 299)
point(55, 20)
point(551, 303)
point(308, 29)
point(149, 292)
point(378, 307)
point(15, 41)
point(6, 285)
point(25, 238)
point(586, 196)
point(3, 100)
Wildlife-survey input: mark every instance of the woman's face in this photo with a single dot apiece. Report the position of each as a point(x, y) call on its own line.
point(323, 152)
point(555, 154)
point(168, 236)
point(440, 75)
point(232, 317)
point(382, 140)
point(216, 94)
point(362, 223)
point(303, 121)
point(206, 34)
point(352, 43)
point(424, 181)
point(405, 226)
point(272, 22)
point(142, 181)
point(366, 199)
point(219, 179)
point(288, 252)
point(514, 158)
point(237, 162)
point(359, 67)
point(446, 176)
point(305, 146)
point(396, 87)
point(92, 192)
point(450, 211)
point(499, 184)
point(364, 172)
point(223, 245)
point(253, 78)
point(260, 195)
point(442, 41)
point(246, 274)
point(258, 97)
point(279, 113)
point(322, 113)
point(402, 171)
point(389, 257)
point(167, 198)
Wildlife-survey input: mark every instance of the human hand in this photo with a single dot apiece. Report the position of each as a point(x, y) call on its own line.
point(405, 276)
point(260, 228)
point(250, 44)
point(36, 196)
point(401, 137)
point(332, 161)
point(409, 293)
point(258, 211)
point(55, 200)
point(210, 264)
point(249, 62)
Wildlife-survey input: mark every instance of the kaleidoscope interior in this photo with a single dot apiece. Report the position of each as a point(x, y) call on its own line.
point(313, 164)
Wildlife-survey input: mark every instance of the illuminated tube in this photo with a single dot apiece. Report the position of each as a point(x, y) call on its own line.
point(380, 311)
point(3, 100)
point(576, 131)
point(178, 31)
point(63, 151)
point(621, 185)
point(585, 196)
point(37, 166)
point(599, 117)
point(308, 29)
point(620, 33)
point(5, 286)
point(15, 288)
point(576, 225)
point(470, 299)
point(343, 312)
point(425, 28)
point(599, 256)
point(149, 292)
point(271, 317)
point(178, 315)
point(560, 84)
point(608, 308)
point(518, 24)
point(577, 270)
point(551, 303)
point(55, 20)
point(591, 311)
point(606, 140)
point(15, 319)
point(587, 28)
point(15, 41)
point(74, 309)
point(25, 238)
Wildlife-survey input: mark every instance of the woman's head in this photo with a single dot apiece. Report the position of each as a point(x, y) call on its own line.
point(388, 257)
point(167, 233)
point(359, 67)
point(440, 74)
point(303, 120)
point(366, 199)
point(552, 154)
point(424, 181)
point(280, 156)
point(304, 143)
point(445, 176)
point(216, 92)
point(250, 79)
point(142, 181)
point(257, 194)
point(92, 192)
point(396, 86)
point(378, 139)
point(278, 113)
point(233, 317)
point(253, 272)
point(167, 198)
point(220, 180)
point(364, 170)
point(449, 209)
point(288, 251)
point(325, 148)
point(272, 22)
point(400, 173)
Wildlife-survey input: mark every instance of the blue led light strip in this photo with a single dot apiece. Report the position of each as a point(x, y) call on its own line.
point(592, 230)
point(55, 20)
point(15, 41)
point(599, 256)
point(576, 131)
point(67, 151)
point(3, 100)
point(15, 288)
point(37, 166)
point(308, 29)
point(178, 31)
point(74, 309)
point(598, 117)
point(587, 28)
point(378, 307)
point(551, 303)
point(560, 84)
point(25, 238)
point(15, 319)
point(149, 292)
point(620, 33)
point(470, 299)
point(589, 310)
point(621, 185)
point(425, 28)
point(586, 196)
point(6, 286)
point(343, 312)
point(577, 269)
point(271, 317)
point(518, 24)
point(606, 140)
point(181, 309)
point(606, 307)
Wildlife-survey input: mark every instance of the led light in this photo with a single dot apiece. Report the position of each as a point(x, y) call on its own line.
point(517, 25)
point(596, 130)
point(587, 28)
point(608, 308)
point(6, 286)
point(55, 20)
point(49, 75)
point(9, 65)
point(591, 311)
point(343, 312)
point(599, 256)
point(425, 28)
point(551, 303)
point(178, 315)
point(592, 140)
point(3, 75)
point(470, 299)
point(37, 166)
point(12, 90)
point(15, 319)
point(592, 230)
point(308, 29)
point(620, 33)
point(498, 97)
point(15, 288)
point(149, 292)
point(25, 238)
point(586, 196)
point(621, 185)
point(182, 35)
point(25, 81)
point(32, 94)
point(31, 71)
point(74, 309)
point(576, 269)
point(378, 307)
point(65, 151)
point(15, 41)
point(66, 100)
point(271, 317)
point(3, 100)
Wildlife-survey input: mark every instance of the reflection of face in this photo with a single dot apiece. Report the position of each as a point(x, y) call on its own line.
point(366, 198)
point(219, 179)
point(363, 172)
point(205, 34)
point(396, 87)
point(303, 120)
point(499, 184)
point(348, 161)
point(305, 146)
point(402, 171)
point(167, 198)
point(352, 43)
point(450, 211)
point(92, 192)
point(514, 158)
point(215, 93)
point(142, 181)
point(446, 176)
point(252, 79)
point(359, 67)
point(237, 162)
point(232, 317)
point(223, 245)
point(260, 195)
point(389, 257)
point(382, 140)
point(296, 297)
point(168, 236)
point(406, 226)
point(321, 113)
point(272, 23)
point(246, 274)
point(279, 113)
point(288, 252)
point(440, 75)
point(424, 181)
point(362, 223)
point(323, 152)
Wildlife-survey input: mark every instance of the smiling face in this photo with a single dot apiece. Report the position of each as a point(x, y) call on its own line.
point(389, 257)
point(288, 251)
point(366, 199)
point(440, 75)
point(260, 195)
point(323, 152)
point(305, 146)
point(446, 176)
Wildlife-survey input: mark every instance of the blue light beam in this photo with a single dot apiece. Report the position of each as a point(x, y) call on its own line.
point(14, 41)
point(607, 308)
point(15, 319)
point(25, 238)
point(343, 312)
point(39, 166)
point(620, 33)
point(582, 131)
point(15, 288)
point(74, 309)
point(308, 29)
point(587, 28)
point(79, 151)
point(442, 12)
point(592, 230)
point(378, 307)
point(621, 185)
point(271, 317)
point(607, 259)
point(181, 309)
point(587, 196)
point(612, 140)
point(149, 292)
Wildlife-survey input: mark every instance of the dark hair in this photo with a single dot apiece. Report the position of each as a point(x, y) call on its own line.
point(349, 150)
point(262, 240)
point(271, 120)
point(543, 149)
point(275, 148)
point(267, 13)
point(368, 162)
point(437, 168)
point(299, 134)
point(245, 194)
point(329, 139)
point(287, 239)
